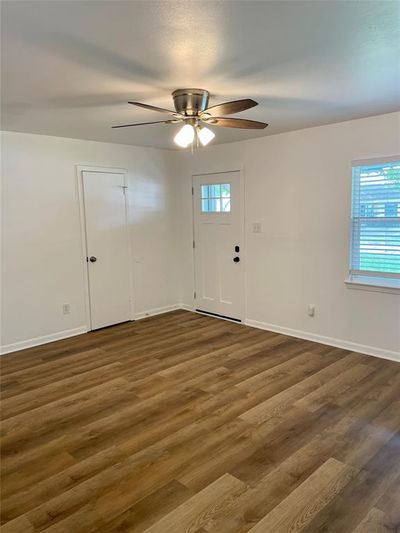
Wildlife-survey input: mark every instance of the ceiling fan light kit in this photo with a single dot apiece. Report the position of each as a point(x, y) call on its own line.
point(191, 108)
point(190, 135)
point(205, 135)
point(185, 136)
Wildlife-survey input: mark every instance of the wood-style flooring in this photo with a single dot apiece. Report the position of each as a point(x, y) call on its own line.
point(187, 423)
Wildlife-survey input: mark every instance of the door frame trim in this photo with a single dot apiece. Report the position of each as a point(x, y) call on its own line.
point(82, 223)
point(243, 311)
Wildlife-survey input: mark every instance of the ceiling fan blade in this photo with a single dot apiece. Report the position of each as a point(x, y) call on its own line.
point(153, 108)
point(228, 108)
point(146, 123)
point(236, 123)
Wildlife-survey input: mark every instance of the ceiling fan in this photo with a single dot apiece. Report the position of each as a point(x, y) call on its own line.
point(191, 110)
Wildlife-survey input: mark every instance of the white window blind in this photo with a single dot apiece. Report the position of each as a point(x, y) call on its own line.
point(375, 237)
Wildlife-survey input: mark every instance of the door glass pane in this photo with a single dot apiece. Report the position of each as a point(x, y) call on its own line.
point(226, 205)
point(205, 191)
point(215, 189)
point(216, 198)
point(212, 205)
point(225, 189)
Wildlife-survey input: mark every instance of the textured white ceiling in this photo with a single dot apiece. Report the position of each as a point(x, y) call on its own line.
point(69, 67)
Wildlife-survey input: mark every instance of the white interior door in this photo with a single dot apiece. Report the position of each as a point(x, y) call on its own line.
point(218, 236)
point(107, 248)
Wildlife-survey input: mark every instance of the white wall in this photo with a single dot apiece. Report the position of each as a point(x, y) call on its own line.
point(298, 186)
point(42, 265)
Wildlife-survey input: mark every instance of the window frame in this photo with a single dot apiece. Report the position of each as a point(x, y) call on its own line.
point(359, 279)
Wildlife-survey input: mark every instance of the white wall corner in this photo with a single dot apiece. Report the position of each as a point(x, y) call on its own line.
point(157, 311)
point(186, 307)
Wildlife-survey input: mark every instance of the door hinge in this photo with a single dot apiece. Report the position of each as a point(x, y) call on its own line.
point(194, 244)
point(194, 294)
point(192, 191)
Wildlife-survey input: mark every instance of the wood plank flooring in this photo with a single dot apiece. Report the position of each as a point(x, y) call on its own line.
point(187, 423)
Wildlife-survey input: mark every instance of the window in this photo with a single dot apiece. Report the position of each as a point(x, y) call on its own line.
point(375, 218)
point(216, 198)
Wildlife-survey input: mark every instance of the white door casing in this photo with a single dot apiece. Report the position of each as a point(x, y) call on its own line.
point(107, 241)
point(219, 268)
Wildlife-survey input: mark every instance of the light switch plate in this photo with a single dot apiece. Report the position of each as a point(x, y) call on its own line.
point(256, 227)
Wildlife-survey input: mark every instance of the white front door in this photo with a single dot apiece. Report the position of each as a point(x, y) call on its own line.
point(218, 244)
point(107, 248)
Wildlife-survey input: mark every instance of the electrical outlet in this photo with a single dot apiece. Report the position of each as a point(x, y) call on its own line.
point(66, 308)
point(311, 310)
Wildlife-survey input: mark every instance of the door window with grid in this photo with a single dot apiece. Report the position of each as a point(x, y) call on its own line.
point(216, 198)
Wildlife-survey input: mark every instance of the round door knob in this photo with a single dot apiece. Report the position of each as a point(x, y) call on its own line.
point(92, 259)
point(236, 259)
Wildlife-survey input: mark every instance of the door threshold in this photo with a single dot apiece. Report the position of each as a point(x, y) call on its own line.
point(218, 316)
point(111, 325)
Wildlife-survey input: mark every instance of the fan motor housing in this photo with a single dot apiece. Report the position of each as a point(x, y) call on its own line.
point(190, 102)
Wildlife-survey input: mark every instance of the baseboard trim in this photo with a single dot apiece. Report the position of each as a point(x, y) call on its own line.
point(45, 339)
point(37, 341)
point(158, 311)
point(330, 341)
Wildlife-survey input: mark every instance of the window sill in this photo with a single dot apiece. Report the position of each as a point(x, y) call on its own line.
point(391, 286)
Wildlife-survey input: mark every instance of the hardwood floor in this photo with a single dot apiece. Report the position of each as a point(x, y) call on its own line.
point(186, 423)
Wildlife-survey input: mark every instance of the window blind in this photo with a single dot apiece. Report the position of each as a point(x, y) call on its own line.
point(375, 217)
